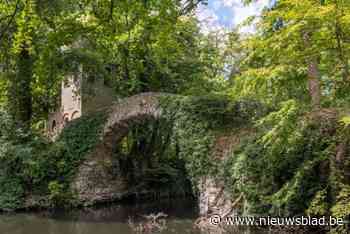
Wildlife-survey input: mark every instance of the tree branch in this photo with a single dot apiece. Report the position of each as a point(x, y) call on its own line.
point(111, 10)
point(10, 21)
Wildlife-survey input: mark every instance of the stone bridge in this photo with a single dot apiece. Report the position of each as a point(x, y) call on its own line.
point(98, 180)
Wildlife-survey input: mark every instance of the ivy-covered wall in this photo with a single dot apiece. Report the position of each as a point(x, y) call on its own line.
point(297, 163)
point(30, 165)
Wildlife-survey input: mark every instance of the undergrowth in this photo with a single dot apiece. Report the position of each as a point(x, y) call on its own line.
point(30, 164)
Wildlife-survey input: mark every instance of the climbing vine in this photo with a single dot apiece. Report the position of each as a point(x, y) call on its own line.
point(295, 164)
point(30, 164)
point(196, 121)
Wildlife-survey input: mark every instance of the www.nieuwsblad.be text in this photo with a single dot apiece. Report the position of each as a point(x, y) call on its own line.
point(275, 221)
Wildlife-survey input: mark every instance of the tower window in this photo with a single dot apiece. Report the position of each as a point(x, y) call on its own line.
point(53, 126)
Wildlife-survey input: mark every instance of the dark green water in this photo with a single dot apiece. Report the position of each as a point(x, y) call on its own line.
point(106, 219)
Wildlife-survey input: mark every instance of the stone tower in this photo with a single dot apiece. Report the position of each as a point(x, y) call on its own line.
point(70, 105)
point(79, 96)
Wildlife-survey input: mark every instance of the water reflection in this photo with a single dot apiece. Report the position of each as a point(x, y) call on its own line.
point(107, 219)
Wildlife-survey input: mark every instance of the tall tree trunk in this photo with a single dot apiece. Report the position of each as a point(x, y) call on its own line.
point(20, 90)
point(343, 59)
point(313, 76)
point(340, 40)
point(314, 83)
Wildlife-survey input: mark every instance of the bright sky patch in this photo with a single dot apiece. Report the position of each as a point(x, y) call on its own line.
point(226, 14)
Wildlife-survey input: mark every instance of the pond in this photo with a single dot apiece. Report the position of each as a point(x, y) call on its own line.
point(106, 219)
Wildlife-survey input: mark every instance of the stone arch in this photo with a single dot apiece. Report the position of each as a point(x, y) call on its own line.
point(129, 111)
point(95, 181)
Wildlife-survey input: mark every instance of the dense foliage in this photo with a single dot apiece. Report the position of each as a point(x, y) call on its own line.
point(296, 62)
point(135, 46)
point(32, 166)
point(287, 82)
point(196, 121)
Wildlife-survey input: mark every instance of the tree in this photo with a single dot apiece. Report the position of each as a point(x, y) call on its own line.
point(22, 50)
point(292, 50)
point(135, 46)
